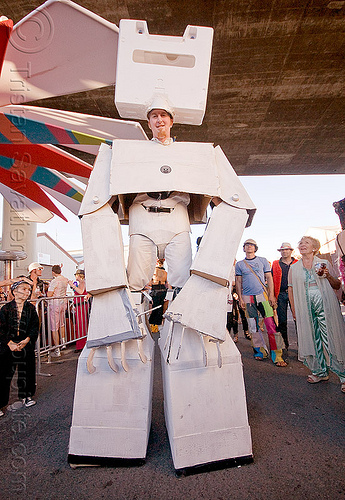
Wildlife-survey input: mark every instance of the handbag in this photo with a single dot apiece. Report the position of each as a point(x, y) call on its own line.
point(264, 290)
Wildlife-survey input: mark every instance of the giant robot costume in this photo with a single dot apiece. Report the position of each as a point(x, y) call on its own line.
point(160, 190)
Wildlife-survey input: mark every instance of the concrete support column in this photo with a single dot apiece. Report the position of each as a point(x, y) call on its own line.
point(20, 236)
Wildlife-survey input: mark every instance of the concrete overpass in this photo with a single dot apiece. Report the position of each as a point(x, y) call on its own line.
point(276, 100)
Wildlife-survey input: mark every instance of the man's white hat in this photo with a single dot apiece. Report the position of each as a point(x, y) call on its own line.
point(285, 246)
point(252, 242)
point(160, 102)
point(34, 265)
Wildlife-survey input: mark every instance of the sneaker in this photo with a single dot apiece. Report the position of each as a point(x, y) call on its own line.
point(235, 339)
point(17, 405)
point(56, 353)
point(1, 413)
point(28, 402)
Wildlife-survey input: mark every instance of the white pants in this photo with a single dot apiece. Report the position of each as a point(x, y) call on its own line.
point(143, 254)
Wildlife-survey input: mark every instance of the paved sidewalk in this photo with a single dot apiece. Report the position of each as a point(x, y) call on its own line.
point(298, 433)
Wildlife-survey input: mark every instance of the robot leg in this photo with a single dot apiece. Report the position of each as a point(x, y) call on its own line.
point(178, 256)
point(204, 393)
point(112, 411)
point(142, 258)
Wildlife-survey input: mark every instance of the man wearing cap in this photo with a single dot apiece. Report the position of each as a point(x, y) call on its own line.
point(251, 275)
point(35, 271)
point(158, 221)
point(280, 271)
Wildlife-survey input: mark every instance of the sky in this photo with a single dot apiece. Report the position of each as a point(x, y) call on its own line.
point(286, 207)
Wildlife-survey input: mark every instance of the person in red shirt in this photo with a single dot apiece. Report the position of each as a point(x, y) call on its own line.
point(280, 271)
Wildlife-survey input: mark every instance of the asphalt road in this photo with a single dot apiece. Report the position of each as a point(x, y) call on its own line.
point(297, 429)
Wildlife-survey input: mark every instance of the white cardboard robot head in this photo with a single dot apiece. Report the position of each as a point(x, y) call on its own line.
point(160, 102)
point(170, 66)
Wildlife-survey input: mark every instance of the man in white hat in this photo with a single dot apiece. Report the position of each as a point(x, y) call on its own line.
point(158, 221)
point(280, 271)
point(252, 273)
point(35, 271)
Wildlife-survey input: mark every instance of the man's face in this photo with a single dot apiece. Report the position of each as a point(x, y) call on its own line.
point(36, 272)
point(249, 248)
point(286, 252)
point(160, 123)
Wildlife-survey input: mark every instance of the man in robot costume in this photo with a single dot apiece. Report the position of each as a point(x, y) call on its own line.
point(159, 187)
point(193, 339)
point(166, 211)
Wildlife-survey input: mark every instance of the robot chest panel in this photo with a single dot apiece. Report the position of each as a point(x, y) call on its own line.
point(140, 166)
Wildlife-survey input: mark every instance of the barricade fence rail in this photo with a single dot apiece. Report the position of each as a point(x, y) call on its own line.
point(63, 320)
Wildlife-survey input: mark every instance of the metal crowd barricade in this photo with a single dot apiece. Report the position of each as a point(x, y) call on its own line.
point(74, 322)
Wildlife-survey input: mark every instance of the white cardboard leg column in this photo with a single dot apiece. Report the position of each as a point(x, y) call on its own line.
point(112, 411)
point(205, 406)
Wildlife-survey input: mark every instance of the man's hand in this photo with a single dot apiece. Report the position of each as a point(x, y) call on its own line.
point(242, 303)
point(273, 301)
point(26, 280)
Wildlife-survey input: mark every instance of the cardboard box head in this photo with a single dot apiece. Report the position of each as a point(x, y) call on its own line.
point(172, 68)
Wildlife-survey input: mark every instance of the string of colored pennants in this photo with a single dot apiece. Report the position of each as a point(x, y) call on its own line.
point(40, 175)
point(30, 189)
point(46, 156)
point(16, 129)
point(25, 161)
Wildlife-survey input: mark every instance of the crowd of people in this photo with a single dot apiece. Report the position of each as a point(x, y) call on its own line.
point(259, 296)
point(309, 287)
point(259, 299)
point(20, 324)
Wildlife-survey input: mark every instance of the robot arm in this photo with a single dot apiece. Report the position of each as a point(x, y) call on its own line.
point(201, 304)
point(206, 289)
point(114, 317)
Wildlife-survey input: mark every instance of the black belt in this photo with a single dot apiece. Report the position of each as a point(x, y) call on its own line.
point(158, 209)
point(159, 287)
point(163, 195)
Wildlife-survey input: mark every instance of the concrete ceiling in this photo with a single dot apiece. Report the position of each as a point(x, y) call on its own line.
point(276, 102)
